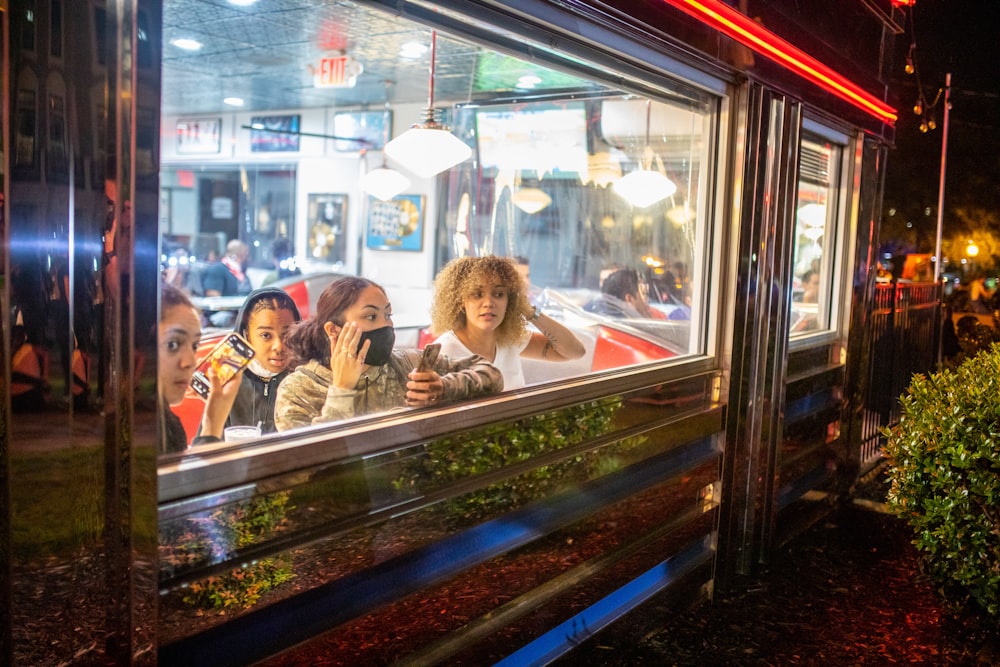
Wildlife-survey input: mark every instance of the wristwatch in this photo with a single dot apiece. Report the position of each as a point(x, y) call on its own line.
point(536, 314)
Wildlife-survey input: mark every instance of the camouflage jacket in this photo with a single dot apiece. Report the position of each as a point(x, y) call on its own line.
point(306, 396)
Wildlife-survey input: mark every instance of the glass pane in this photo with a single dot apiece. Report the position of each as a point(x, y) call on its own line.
point(815, 236)
point(598, 194)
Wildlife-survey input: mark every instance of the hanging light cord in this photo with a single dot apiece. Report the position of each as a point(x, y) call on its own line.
point(430, 84)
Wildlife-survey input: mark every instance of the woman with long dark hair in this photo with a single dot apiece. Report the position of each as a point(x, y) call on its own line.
point(346, 364)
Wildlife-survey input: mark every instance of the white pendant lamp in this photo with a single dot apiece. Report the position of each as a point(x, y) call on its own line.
point(384, 183)
point(646, 186)
point(428, 148)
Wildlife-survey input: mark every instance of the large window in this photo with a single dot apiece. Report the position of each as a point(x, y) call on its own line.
point(572, 172)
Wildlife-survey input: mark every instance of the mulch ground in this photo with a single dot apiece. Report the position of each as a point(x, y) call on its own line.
point(849, 591)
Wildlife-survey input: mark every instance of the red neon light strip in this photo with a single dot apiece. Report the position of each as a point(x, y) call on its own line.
point(740, 27)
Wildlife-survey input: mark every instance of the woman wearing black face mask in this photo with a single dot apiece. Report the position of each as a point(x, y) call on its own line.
point(347, 365)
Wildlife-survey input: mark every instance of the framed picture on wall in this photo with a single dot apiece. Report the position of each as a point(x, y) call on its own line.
point(356, 130)
point(326, 216)
point(199, 136)
point(397, 224)
point(274, 134)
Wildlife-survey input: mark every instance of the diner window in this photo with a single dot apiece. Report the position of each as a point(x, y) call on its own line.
point(599, 190)
point(816, 236)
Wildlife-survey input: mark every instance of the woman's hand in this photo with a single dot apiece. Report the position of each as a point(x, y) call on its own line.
point(346, 360)
point(219, 403)
point(423, 388)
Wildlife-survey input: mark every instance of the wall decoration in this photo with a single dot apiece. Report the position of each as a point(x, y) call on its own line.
point(369, 127)
point(199, 136)
point(397, 224)
point(274, 134)
point(326, 216)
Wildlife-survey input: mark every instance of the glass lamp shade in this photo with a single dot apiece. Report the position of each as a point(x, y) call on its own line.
point(644, 187)
point(383, 183)
point(428, 149)
point(531, 200)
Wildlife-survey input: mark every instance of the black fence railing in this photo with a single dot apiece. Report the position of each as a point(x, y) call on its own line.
point(905, 339)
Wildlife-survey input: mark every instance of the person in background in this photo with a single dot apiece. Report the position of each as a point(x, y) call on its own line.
point(28, 384)
point(623, 296)
point(981, 293)
point(264, 320)
point(227, 277)
point(284, 261)
point(481, 308)
point(810, 286)
point(177, 266)
point(346, 364)
point(178, 335)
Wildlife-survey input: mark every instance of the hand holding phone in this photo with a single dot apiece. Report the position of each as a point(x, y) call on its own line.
point(227, 358)
point(429, 357)
point(424, 392)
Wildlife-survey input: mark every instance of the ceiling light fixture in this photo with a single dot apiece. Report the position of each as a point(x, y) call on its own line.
point(384, 183)
point(531, 200)
point(646, 186)
point(186, 43)
point(428, 148)
point(233, 101)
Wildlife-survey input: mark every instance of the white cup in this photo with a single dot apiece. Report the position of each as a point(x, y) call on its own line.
point(241, 433)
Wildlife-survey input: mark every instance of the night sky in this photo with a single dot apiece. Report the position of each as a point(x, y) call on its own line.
point(960, 37)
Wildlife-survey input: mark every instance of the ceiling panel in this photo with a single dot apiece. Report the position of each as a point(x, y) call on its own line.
point(263, 54)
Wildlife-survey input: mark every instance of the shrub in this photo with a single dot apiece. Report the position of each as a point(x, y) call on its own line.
point(454, 458)
point(944, 472)
point(217, 535)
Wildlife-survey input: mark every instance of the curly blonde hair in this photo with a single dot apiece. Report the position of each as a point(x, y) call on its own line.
point(461, 277)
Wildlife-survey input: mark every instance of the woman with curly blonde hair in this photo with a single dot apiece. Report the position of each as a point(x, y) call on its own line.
point(481, 307)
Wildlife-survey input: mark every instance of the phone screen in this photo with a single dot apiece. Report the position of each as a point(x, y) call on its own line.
point(227, 358)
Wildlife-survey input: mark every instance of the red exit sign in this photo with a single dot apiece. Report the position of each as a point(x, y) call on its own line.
point(337, 72)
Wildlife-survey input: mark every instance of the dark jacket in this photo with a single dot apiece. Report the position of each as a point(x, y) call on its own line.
point(174, 439)
point(255, 400)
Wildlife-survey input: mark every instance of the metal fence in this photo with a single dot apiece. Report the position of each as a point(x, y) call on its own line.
point(905, 339)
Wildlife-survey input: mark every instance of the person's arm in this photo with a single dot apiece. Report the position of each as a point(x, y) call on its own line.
point(554, 343)
point(303, 400)
point(213, 282)
point(466, 378)
point(217, 407)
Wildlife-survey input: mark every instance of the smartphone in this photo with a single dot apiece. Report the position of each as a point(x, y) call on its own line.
point(429, 358)
point(228, 358)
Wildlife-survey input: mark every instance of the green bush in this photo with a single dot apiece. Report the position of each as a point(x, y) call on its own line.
point(944, 470)
point(204, 538)
point(455, 458)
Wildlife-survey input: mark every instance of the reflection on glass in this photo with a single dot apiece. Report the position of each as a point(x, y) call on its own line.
point(815, 232)
point(551, 154)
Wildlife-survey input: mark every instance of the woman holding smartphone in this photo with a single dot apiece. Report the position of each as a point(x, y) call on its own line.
point(346, 364)
point(264, 321)
point(178, 335)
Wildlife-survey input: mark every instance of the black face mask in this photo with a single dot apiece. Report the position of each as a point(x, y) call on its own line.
point(381, 348)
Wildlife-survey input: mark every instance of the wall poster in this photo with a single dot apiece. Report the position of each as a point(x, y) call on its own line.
point(199, 136)
point(326, 215)
point(397, 224)
point(274, 134)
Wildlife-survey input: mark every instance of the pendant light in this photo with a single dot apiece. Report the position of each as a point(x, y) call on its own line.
point(646, 186)
point(384, 183)
point(428, 148)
